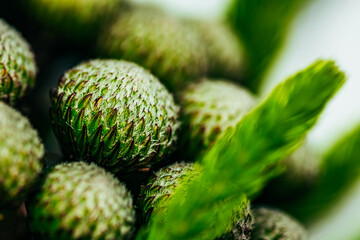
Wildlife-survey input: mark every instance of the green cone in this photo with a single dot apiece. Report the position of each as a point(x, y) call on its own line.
point(149, 37)
point(81, 201)
point(224, 51)
point(79, 20)
point(273, 224)
point(21, 152)
point(242, 224)
point(17, 65)
point(160, 188)
point(114, 113)
point(209, 108)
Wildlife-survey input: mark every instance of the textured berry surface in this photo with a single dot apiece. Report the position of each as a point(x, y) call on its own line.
point(224, 51)
point(161, 187)
point(115, 114)
point(77, 19)
point(20, 155)
point(242, 224)
point(273, 224)
point(17, 65)
point(209, 108)
point(149, 37)
point(81, 201)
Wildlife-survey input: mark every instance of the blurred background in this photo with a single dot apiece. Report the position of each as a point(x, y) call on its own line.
point(322, 29)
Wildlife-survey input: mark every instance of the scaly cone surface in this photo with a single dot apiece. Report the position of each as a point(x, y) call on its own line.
point(17, 65)
point(156, 41)
point(162, 185)
point(208, 109)
point(160, 188)
point(81, 201)
point(21, 152)
point(241, 224)
point(116, 114)
point(273, 224)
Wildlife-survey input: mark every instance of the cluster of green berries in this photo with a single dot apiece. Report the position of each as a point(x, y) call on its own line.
point(115, 118)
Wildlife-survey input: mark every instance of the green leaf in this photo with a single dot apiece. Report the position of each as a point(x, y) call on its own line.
point(262, 26)
point(245, 157)
point(338, 172)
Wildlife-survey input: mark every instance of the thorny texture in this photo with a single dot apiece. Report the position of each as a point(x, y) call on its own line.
point(255, 147)
point(81, 201)
point(273, 224)
point(76, 19)
point(158, 42)
point(17, 65)
point(115, 114)
point(223, 48)
point(161, 187)
point(209, 108)
point(20, 155)
point(242, 224)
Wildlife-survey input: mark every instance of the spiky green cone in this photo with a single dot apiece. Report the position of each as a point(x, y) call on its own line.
point(81, 201)
point(160, 188)
point(17, 65)
point(242, 224)
point(149, 37)
point(208, 109)
point(114, 113)
point(20, 155)
point(224, 51)
point(78, 20)
point(273, 224)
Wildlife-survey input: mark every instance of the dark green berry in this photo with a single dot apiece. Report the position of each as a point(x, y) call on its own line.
point(17, 65)
point(81, 201)
point(208, 109)
point(21, 152)
point(158, 42)
point(155, 196)
point(162, 186)
point(116, 114)
point(271, 224)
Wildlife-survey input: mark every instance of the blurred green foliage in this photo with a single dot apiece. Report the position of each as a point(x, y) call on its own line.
point(247, 156)
point(339, 170)
point(261, 26)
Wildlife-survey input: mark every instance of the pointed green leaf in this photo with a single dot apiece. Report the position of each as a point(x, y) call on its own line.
point(244, 158)
point(262, 27)
point(338, 172)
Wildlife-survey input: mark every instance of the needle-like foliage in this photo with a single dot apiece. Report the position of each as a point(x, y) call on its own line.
point(245, 157)
point(339, 168)
point(262, 26)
